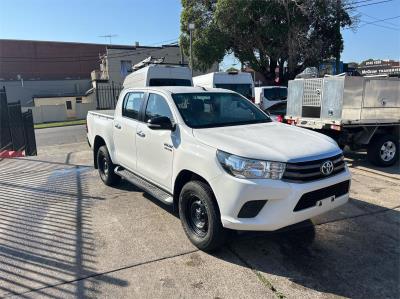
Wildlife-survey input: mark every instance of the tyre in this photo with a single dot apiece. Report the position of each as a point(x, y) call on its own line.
point(106, 167)
point(200, 216)
point(383, 150)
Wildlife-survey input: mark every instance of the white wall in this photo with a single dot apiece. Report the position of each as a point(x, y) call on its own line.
point(83, 108)
point(53, 113)
point(48, 113)
point(17, 92)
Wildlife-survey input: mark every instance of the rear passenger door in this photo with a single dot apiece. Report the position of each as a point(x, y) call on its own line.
point(125, 126)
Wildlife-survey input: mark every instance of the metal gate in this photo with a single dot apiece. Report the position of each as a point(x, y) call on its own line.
point(5, 136)
point(29, 130)
point(16, 128)
point(107, 95)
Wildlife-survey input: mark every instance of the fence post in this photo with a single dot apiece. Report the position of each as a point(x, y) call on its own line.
point(113, 92)
point(96, 90)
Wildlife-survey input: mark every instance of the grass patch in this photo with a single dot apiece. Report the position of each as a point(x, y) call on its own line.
point(60, 124)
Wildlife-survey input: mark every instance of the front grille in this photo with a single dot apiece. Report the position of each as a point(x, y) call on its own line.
point(310, 199)
point(311, 170)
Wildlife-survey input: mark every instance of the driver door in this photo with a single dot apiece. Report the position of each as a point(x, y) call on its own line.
point(155, 150)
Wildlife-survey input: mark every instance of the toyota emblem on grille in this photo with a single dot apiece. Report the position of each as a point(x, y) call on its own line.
point(327, 167)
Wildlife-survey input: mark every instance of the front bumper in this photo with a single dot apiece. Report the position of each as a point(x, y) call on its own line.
point(282, 197)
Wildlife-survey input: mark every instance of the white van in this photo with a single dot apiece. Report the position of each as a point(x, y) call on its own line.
point(236, 81)
point(266, 96)
point(159, 75)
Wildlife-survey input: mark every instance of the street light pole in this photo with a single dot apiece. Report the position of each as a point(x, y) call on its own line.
point(191, 28)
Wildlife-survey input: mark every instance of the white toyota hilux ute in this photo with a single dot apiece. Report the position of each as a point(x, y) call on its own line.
point(218, 159)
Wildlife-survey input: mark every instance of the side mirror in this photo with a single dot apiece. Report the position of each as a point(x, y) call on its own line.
point(160, 123)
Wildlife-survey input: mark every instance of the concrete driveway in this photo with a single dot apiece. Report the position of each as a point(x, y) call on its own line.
point(65, 234)
point(60, 135)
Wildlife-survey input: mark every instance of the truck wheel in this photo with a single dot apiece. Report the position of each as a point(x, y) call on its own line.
point(200, 216)
point(106, 167)
point(383, 150)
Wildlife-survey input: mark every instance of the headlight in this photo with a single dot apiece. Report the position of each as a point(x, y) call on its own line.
point(249, 168)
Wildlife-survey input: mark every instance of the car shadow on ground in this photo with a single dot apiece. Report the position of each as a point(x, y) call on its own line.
point(46, 238)
point(356, 159)
point(356, 257)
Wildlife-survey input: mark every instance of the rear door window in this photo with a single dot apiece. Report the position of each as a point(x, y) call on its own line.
point(132, 103)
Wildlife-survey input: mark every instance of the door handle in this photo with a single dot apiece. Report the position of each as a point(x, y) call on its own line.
point(118, 126)
point(141, 134)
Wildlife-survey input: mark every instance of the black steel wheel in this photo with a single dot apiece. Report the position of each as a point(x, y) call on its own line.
point(106, 167)
point(197, 216)
point(200, 217)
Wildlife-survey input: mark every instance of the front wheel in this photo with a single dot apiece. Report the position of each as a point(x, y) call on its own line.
point(200, 216)
point(106, 167)
point(383, 150)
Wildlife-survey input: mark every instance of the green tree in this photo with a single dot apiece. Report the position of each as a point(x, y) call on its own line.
point(265, 34)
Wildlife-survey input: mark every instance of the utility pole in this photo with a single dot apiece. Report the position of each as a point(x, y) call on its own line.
point(191, 28)
point(337, 56)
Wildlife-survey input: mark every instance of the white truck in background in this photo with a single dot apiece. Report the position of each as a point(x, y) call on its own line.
point(217, 159)
point(239, 82)
point(360, 112)
point(154, 72)
point(266, 96)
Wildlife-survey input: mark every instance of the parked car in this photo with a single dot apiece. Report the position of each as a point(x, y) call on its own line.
point(277, 111)
point(239, 82)
point(217, 159)
point(267, 96)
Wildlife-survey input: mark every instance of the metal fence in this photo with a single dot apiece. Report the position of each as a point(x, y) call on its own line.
point(107, 95)
point(5, 135)
point(16, 128)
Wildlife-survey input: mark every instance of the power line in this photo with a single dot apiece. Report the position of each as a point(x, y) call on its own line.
point(374, 18)
point(368, 4)
point(378, 21)
point(387, 27)
point(363, 1)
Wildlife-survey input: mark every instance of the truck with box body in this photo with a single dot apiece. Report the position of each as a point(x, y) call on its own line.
point(360, 112)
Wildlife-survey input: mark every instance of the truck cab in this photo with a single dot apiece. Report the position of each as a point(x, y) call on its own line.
point(266, 96)
point(239, 82)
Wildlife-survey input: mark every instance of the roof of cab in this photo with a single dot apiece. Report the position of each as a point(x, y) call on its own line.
point(181, 89)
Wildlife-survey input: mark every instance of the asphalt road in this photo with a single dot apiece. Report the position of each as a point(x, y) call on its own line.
point(60, 135)
point(64, 234)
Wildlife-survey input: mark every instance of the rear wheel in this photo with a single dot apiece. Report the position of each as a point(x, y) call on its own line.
point(383, 150)
point(106, 167)
point(200, 216)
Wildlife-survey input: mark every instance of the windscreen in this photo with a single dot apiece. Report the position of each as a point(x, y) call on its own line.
point(243, 89)
point(208, 110)
point(278, 109)
point(275, 94)
point(169, 82)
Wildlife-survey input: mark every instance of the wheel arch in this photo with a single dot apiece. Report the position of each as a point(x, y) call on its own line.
point(98, 142)
point(183, 177)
